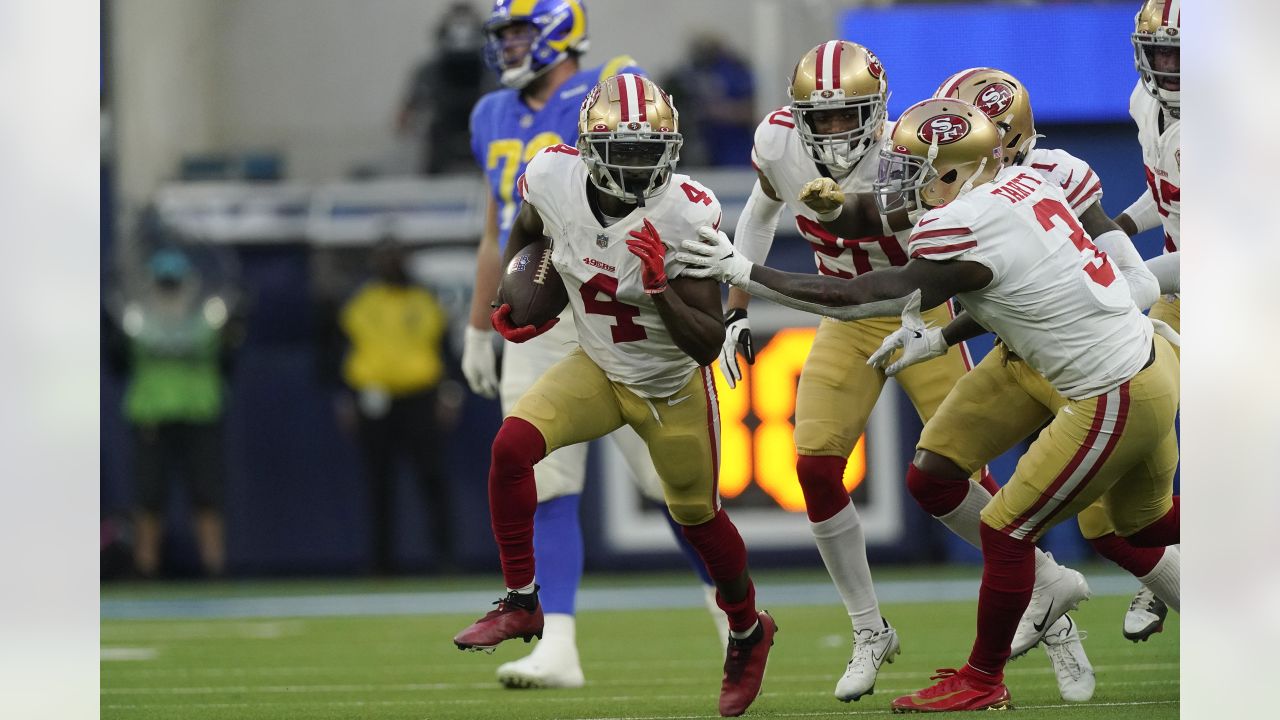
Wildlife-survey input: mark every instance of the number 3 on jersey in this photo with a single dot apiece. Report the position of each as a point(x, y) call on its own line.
point(1096, 266)
point(624, 328)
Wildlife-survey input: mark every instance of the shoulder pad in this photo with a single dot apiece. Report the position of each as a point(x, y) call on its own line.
point(772, 134)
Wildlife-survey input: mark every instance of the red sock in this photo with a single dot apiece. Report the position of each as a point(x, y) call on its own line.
point(1008, 574)
point(1160, 533)
point(822, 482)
point(513, 497)
point(936, 494)
point(742, 614)
point(721, 548)
point(1138, 561)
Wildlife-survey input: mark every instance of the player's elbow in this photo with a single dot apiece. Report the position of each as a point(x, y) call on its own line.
point(1143, 288)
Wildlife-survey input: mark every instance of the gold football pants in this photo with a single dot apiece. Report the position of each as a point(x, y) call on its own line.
point(574, 402)
point(1118, 449)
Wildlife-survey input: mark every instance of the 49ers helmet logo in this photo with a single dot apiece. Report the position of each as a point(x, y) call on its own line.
point(946, 128)
point(994, 99)
point(874, 66)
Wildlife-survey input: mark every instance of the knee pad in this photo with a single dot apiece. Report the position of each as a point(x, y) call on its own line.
point(822, 482)
point(936, 494)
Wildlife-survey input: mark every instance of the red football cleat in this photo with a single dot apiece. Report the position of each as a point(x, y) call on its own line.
point(955, 690)
point(744, 668)
point(510, 620)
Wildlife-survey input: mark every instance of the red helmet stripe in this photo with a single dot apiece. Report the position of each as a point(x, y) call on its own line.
point(952, 88)
point(623, 101)
point(640, 104)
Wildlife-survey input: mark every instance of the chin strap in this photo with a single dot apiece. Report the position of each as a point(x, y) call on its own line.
point(968, 184)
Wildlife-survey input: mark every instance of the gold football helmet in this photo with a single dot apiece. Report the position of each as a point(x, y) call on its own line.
point(629, 136)
point(1003, 99)
point(839, 76)
point(940, 148)
point(1158, 26)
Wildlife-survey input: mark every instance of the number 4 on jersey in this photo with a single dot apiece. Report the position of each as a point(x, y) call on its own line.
point(624, 316)
point(695, 193)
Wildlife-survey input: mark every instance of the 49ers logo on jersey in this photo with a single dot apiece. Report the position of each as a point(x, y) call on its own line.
point(945, 128)
point(994, 99)
point(874, 66)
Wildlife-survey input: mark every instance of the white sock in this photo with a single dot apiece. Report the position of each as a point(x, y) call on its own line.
point(559, 628)
point(745, 633)
point(1047, 569)
point(1164, 578)
point(965, 520)
point(844, 551)
point(526, 590)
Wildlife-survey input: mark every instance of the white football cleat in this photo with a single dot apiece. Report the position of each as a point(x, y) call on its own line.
point(1066, 652)
point(550, 665)
point(1145, 616)
point(1048, 603)
point(871, 649)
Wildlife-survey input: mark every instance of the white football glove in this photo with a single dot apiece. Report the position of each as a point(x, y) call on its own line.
point(713, 255)
point(737, 339)
point(918, 341)
point(478, 362)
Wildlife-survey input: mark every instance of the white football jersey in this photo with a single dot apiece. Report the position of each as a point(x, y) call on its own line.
point(1160, 136)
point(1079, 184)
point(783, 159)
point(1054, 299)
point(618, 325)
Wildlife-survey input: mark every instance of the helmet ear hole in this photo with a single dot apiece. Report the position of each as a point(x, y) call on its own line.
point(950, 177)
point(1013, 144)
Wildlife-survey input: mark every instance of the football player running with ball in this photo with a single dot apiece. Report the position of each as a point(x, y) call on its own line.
point(535, 46)
point(829, 137)
point(1004, 241)
point(614, 209)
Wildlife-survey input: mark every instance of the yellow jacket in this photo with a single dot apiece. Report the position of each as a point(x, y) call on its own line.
point(395, 333)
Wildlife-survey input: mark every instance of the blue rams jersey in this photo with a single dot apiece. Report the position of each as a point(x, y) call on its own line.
point(506, 134)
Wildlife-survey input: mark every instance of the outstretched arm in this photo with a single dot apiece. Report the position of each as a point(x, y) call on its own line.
point(875, 294)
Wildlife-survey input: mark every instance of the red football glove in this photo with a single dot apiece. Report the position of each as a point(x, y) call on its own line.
point(501, 319)
point(647, 245)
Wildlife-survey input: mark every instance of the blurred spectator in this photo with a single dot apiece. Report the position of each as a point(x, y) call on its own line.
point(438, 102)
point(715, 95)
point(393, 368)
point(174, 341)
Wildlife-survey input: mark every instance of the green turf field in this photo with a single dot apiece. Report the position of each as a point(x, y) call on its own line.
point(639, 664)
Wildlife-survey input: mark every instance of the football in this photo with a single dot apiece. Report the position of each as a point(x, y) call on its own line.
point(532, 287)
